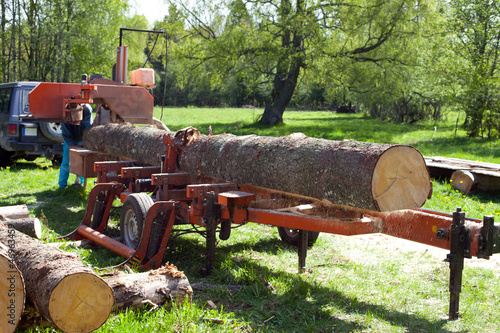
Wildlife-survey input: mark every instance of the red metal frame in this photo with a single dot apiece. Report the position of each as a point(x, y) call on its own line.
point(132, 104)
point(207, 202)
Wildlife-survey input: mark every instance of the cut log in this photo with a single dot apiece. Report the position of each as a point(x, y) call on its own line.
point(373, 176)
point(14, 212)
point(30, 226)
point(463, 180)
point(157, 287)
point(65, 291)
point(12, 294)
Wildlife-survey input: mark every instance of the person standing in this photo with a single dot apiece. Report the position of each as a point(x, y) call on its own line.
point(73, 135)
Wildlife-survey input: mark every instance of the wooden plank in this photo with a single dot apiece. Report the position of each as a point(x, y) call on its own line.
point(486, 175)
point(483, 168)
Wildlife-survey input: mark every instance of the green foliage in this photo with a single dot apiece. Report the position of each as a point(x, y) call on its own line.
point(59, 40)
point(476, 45)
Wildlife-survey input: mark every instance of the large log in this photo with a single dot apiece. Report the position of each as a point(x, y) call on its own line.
point(65, 291)
point(373, 176)
point(155, 287)
point(12, 294)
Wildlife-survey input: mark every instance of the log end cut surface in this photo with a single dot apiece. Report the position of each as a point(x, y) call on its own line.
point(80, 303)
point(400, 179)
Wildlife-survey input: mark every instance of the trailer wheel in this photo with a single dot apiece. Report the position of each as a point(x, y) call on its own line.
point(291, 236)
point(134, 211)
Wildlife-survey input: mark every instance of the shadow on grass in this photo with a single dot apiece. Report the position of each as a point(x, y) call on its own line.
point(297, 306)
point(63, 209)
point(22, 166)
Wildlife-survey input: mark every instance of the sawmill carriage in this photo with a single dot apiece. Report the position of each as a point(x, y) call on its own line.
point(167, 199)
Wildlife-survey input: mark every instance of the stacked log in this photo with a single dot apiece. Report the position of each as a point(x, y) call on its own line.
point(381, 177)
point(18, 218)
point(161, 286)
point(65, 291)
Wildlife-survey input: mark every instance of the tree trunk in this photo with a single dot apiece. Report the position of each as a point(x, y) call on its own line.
point(155, 287)
point(366, 175)
point(288, 67)
point(63, 289)
point(12, 295)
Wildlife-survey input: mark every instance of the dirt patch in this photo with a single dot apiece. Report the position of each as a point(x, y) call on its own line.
point(398, 244)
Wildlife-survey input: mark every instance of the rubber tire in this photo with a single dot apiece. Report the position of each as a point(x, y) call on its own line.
point(225, 230)
point(52, 131)
point(5, 157)
point(134, 210)
point(291, 236)
point(57, 160)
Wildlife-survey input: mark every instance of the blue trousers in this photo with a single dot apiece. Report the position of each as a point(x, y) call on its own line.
point(64, 170)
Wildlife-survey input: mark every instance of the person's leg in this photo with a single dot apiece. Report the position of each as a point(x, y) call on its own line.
point(64, 169)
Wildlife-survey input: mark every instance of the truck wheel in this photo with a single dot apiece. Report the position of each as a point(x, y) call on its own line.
point(134, 211)
point(291, 236)
point(5, 157)
point(52, 131)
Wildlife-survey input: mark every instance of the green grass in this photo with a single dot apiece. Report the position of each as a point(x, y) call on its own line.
point(351, 283)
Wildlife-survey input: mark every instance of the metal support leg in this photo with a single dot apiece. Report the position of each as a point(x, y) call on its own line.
point(98, 210)
point(459, 249)
point(211, 218)
point(303, 240)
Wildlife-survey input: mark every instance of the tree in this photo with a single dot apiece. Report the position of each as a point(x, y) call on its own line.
point(287, 37)
point(476, 44)
point(59, 40)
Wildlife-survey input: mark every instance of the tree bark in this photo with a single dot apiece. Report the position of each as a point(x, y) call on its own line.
point(63, 289)
point(157, 287)
point(372, 176)
point(12, 296)
point(30, 226)
point(18, 218)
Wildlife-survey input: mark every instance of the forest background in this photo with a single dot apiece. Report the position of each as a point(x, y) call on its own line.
point(403, 60)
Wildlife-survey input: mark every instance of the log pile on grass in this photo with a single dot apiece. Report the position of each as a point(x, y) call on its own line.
point(66, 293)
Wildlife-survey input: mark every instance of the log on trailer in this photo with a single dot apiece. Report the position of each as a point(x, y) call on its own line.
point(381, 177)
point(12, 295)
point(65, 291)
point(155, 287)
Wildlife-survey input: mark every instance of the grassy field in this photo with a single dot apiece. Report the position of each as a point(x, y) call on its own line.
point(352, 284)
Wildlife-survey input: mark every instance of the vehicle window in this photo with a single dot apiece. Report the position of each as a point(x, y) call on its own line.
point(25, 100)
point(5, 99)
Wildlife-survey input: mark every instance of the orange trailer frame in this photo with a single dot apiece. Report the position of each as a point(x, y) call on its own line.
point(182, 198)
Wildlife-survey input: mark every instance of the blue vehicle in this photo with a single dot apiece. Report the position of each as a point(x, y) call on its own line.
point(20, 138)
